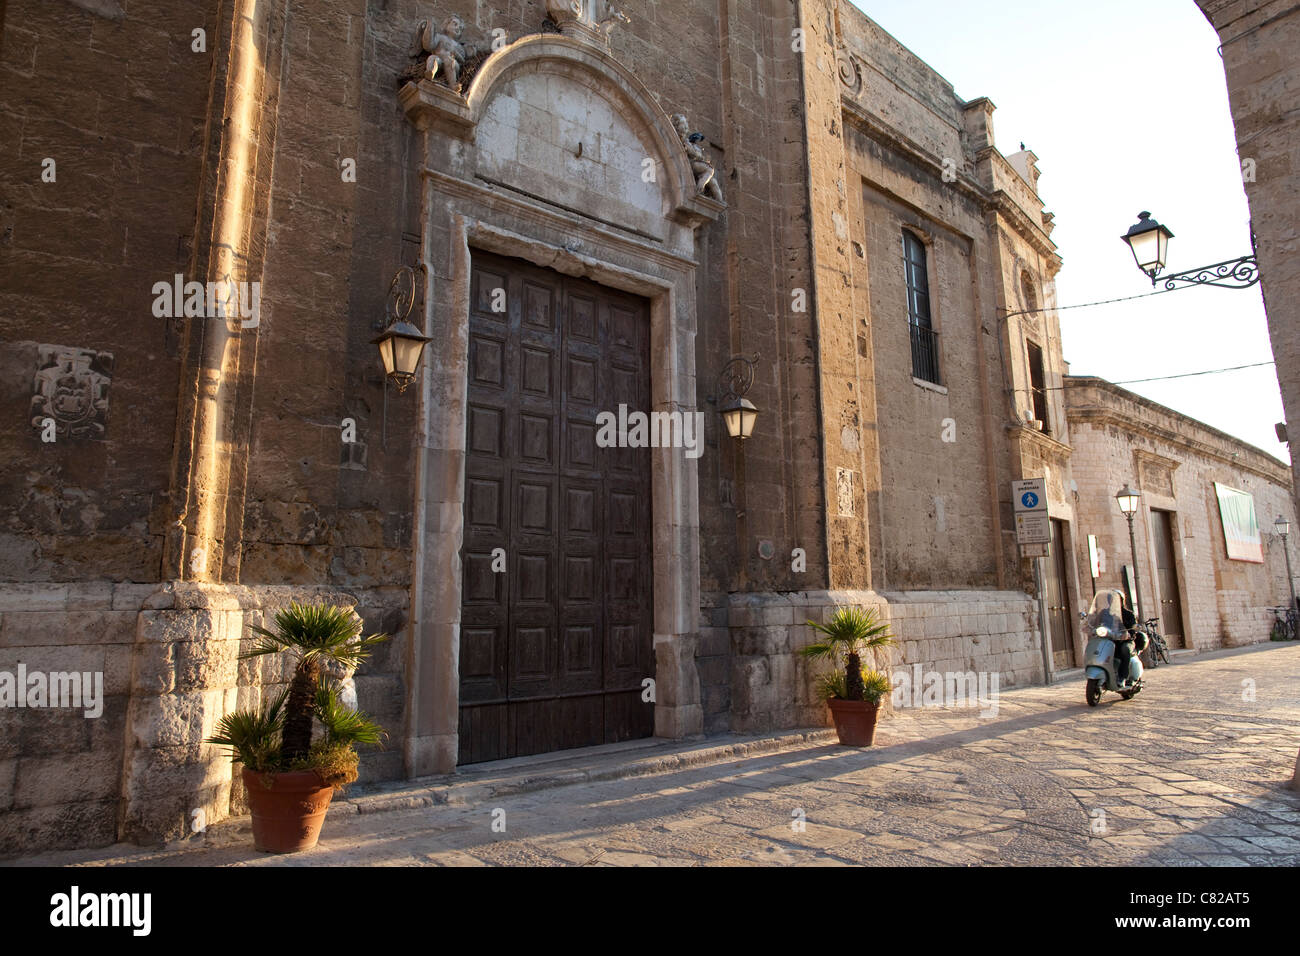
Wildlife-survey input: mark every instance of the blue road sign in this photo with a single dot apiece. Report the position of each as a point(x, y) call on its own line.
point(1029, 499)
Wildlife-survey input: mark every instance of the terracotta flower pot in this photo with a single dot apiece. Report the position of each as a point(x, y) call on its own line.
point(287, 815)
point(855, 721)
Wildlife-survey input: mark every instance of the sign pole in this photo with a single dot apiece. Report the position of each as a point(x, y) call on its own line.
point(1043, 623)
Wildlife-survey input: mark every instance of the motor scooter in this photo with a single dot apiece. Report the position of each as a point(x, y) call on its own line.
point(1105, 625)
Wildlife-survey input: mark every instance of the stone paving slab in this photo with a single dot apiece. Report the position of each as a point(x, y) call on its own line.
point(1192, 772)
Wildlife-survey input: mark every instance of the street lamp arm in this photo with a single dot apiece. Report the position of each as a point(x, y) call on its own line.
point(1232, 274)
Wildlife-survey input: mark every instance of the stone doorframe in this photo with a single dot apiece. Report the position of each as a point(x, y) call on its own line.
point(461, 213)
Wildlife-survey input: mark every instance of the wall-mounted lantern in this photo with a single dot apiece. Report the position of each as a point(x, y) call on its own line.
point(1149, 243)
point(738, 412)
point(401, 345)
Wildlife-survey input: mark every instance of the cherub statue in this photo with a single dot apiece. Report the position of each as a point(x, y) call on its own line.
point(447, 54)
point(706, 178)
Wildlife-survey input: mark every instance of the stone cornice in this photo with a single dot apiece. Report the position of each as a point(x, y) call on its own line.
point(1010, 210)
point(1252, 459)
point(1141, 454)
point(1047, 443)
point(855, 116)
point(988, 200)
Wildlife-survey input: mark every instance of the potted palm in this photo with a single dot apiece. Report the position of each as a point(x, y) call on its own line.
point(290, 777)
point(853, 695)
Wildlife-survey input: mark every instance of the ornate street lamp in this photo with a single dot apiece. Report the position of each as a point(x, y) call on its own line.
point(1283, 528)
point(1149, 243)
point(401, 345)
point(738, 412)
point(1128, 504)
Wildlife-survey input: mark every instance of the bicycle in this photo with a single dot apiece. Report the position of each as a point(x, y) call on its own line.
point(1286, 627)
point(1158, 649)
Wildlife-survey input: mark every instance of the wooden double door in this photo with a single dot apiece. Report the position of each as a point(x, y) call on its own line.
point(556, 631)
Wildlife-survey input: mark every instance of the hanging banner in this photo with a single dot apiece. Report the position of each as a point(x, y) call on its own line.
point(1240, 526)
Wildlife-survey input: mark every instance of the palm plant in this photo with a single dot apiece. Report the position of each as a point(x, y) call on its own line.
point(318, 634)
point(278, 736)
point(850, 633)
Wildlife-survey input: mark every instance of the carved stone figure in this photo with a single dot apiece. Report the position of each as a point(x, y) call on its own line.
point(71, 388)
point(706, 179)
point(587, 20)
point(561, 10)
point(445, 49)
point(613, 16)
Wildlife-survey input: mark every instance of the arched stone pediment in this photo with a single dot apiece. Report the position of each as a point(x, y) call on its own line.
point(532, 102)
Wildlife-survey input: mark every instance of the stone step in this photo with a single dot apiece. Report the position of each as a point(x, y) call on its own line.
point(633, 758)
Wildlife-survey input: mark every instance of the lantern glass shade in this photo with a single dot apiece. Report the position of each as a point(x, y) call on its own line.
point(1282, 526)
point(739, 415)
point(1149, 242)
point(1128, 500)
point(401, 346)
point(386, 353)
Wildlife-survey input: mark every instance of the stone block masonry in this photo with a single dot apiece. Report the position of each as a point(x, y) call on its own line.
point(772, 686)
point(169, 656)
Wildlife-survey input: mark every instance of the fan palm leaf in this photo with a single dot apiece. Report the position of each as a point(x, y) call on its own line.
point(342, 724)
point(253, 736)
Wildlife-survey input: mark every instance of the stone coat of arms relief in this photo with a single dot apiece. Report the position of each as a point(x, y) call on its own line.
point(70, 390)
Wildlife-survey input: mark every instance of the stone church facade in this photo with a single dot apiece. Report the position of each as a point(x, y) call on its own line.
point(843, 222)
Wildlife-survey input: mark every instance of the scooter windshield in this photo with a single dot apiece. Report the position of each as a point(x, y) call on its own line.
point(1107, 611)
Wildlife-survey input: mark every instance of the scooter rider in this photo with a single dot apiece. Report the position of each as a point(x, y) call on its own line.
point(1124, 642)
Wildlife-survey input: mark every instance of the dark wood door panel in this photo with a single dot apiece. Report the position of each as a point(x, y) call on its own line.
point(1171, 599)
point(554, 651)
point(1060, 619)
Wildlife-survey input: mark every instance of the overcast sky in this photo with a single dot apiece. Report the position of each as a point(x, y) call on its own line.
point(1125, 104)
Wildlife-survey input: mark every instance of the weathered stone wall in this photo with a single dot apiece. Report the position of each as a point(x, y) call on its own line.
point(61, 771)
point(772, 686)
point(102, 135)
point(926, 161)
point(169, 660)
point(1259, 39)
point(1120, 438)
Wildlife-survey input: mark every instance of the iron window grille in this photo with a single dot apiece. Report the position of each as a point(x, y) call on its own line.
point(925, 340)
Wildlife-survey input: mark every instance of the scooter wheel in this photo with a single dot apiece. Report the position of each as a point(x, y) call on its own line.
point(1094, 692)
point(1129, 694)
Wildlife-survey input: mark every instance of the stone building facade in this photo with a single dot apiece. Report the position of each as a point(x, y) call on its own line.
point(1204, 597)
point(1258, 43)
point(170, 479)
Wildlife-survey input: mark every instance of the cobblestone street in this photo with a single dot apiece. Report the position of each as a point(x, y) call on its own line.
point(1193, 771)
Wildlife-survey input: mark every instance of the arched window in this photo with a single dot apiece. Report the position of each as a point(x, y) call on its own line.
point(925, 341)
point(1029, 293)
